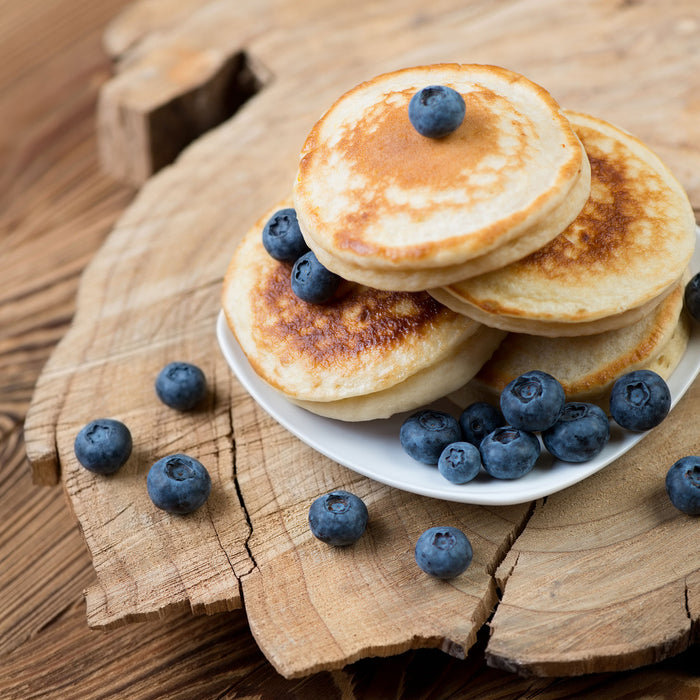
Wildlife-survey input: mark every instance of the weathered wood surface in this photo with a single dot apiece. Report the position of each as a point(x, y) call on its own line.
point(45, 639)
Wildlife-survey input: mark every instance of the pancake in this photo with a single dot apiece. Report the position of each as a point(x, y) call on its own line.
point(365, 354)
point(625, 251)
point(423, 387)
point(531, 240)
point(588, 366)
point(372, 194)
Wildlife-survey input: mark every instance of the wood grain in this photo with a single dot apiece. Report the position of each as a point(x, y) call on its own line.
point(612, 561)
point(55, 210)
point(170, 91)
point(60, 208)
point(361, 601)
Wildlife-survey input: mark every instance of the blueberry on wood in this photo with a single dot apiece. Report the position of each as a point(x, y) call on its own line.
point(103, 445)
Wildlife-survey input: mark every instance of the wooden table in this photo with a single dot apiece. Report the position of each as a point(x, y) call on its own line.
point(57, 209)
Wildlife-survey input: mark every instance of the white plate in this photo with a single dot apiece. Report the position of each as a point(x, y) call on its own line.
point(372, 448)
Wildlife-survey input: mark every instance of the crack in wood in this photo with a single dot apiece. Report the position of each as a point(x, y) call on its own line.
point(241, 500)
point(499, 579)
point(507, 547)
point(694, 624)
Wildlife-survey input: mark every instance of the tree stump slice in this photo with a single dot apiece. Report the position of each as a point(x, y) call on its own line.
point(603, 576)
point(601, 566)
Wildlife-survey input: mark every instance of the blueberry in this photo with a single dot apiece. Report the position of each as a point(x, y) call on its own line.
point(282, 236)
point(339, 518)
point(581, 432)
point(443, 552)
point(683, 485)
point(436, 111)
point(312, 282)
point(103, 445)
point(459, 462)
point(478, 420)
point(178, 484)
point(181, 385)
point(640, 400)
point(509, 453)
point(425, 434)
point(692, 297)
point(532, 401)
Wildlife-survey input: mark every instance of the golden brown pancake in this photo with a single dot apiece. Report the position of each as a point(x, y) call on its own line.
point(373, 195)
point(587, 366)
point(627, 249)
point(365, 354)
point(533, 239)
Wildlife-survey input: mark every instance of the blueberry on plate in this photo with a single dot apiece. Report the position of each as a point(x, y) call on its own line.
point(683, 485)
point(181, 385)
point(640, 400)
point(443, 552)
point(509, 453)
point(532, 401)
point(282, 236)
point(692, 297)
point(178, 484)
point(478, 420)
point(460, 462)
point(581, 432)
point(425, 434)
point(338, 518)
point(311, 281)
point(436, 111)
point(103, 445)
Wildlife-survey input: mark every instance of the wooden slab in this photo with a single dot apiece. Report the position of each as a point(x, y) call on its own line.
point(601, 577)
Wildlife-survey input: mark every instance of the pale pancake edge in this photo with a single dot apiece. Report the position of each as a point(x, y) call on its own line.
point(588, 366)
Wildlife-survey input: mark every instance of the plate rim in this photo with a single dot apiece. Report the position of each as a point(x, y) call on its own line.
point(284, 411)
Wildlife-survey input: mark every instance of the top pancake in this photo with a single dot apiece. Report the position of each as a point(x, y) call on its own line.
point(530, 240)
point(362, 342)
point(627, 248)
point(373, 193)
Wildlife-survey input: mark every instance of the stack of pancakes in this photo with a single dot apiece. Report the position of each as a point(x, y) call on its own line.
point(529, 238)
point(366, 354)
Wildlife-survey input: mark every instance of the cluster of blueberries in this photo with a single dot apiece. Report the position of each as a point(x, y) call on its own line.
point(176, 483)
point(504, 442)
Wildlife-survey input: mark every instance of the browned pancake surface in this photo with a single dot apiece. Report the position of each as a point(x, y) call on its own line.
point(629, 245)
point(342, 332)
point(604, 228)
point(362, 341)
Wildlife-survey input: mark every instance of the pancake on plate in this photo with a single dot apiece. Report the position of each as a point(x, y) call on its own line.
point(363, 355)
point(587, 366)
point(384, 206)
point(624, 252)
